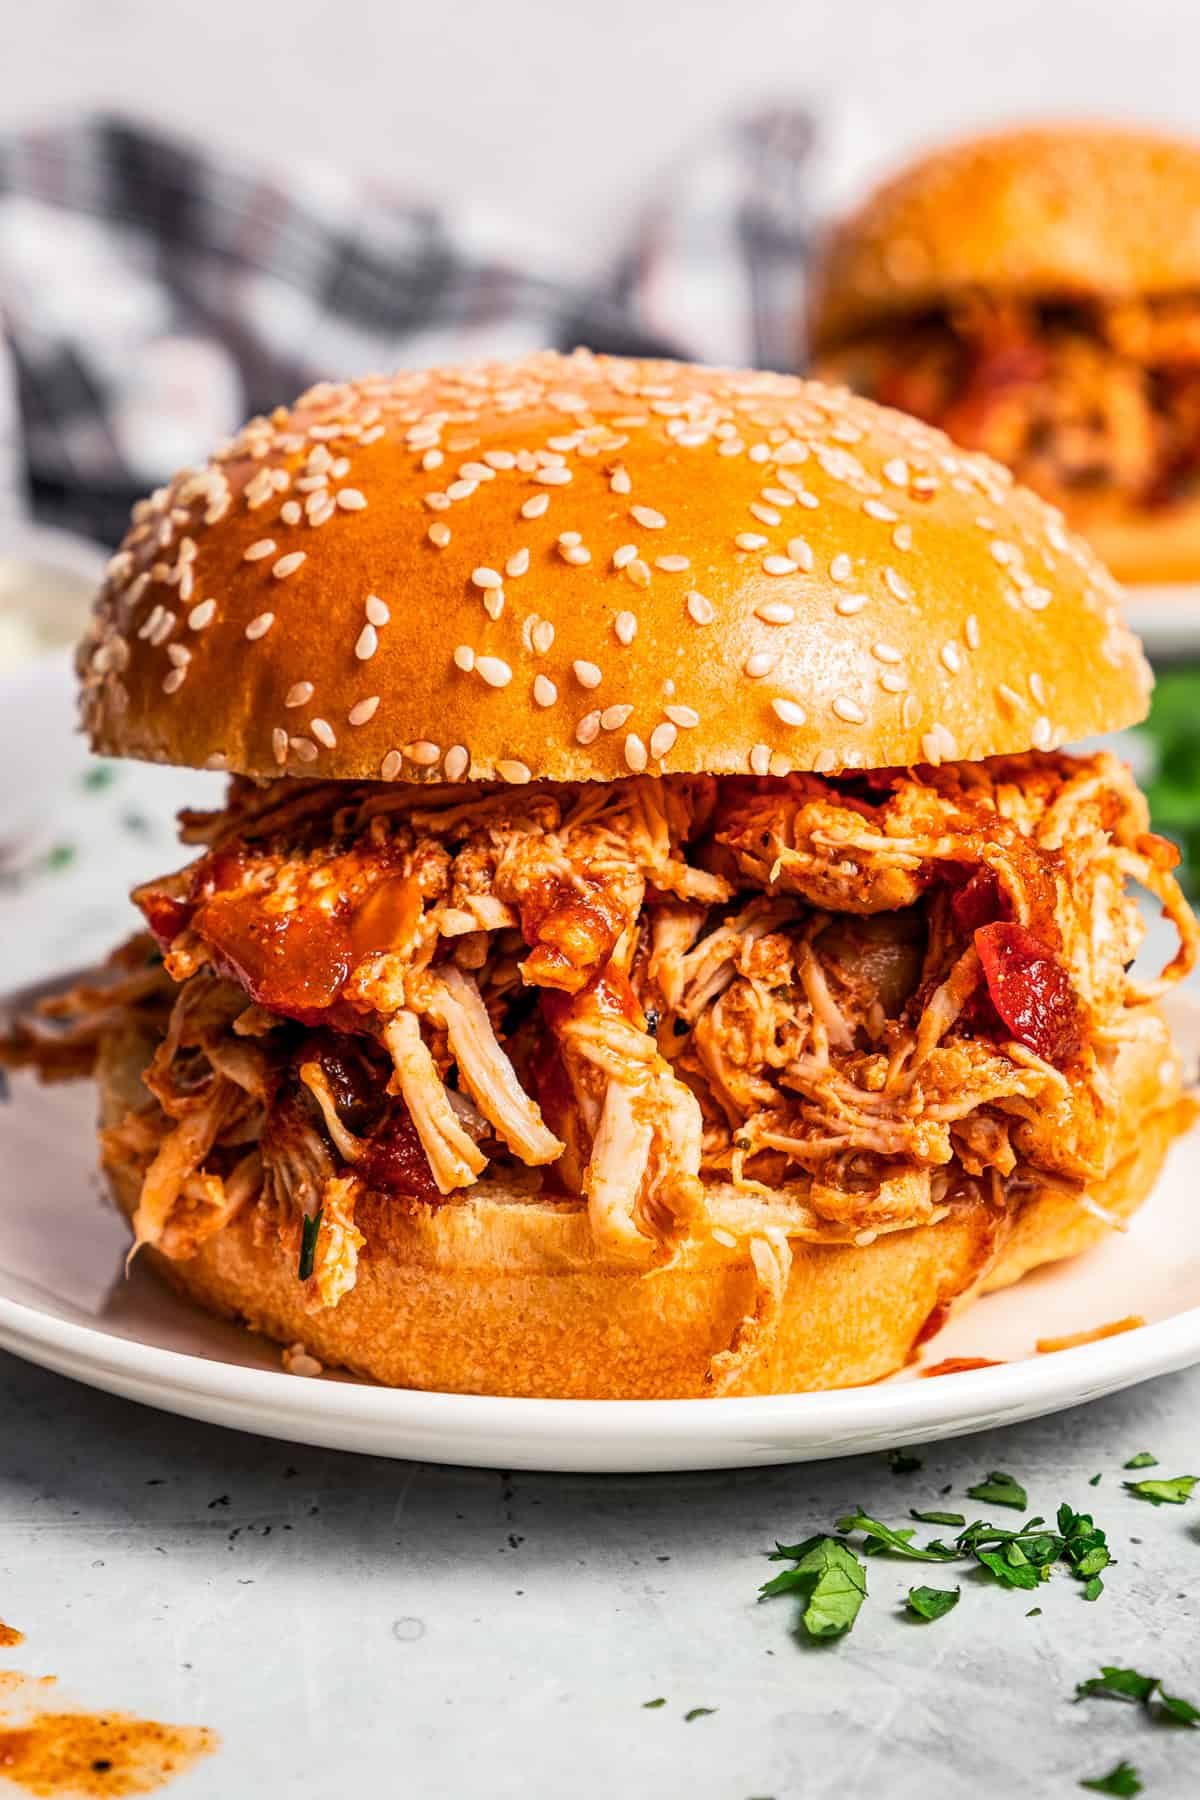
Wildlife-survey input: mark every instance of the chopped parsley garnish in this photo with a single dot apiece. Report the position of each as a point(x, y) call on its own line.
point(1122, 1781)
point(1143, 1460)
point(698, 1712)
point(1172, 1491)
point(100, 775)
point(310, 1228)
point(1016, 1559)
point(1147, 1690)
point(1096, 1480)
point(1000, 1489)
point(902, 1462)
point(651, 1705)
point(937, 1518)
point(828, 1578)
point(60, 856)
point(1035, 1612)
point(931, 1602)
point(884, 1538)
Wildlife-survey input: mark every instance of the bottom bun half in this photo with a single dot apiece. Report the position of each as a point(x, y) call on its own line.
point(503, 1295)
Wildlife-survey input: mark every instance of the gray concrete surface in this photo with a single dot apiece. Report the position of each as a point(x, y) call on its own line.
point(360, 1627)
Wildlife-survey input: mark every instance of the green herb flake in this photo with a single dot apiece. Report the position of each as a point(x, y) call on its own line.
point(1143, 1460)
point(1035, 1612)
point(883, 1538)
point(1144, 1690)
point(937, 1518)
point(310, 1229)
point(99, 776)
point(1096, 1480)
point(653, 1705)
point(60, 856)
point(1169, 1491)
point(828, 1578)
point(931, 1602)
point(1000, 1489)
point(902, 1462)
point(698, 1712)
point(1122, 1781)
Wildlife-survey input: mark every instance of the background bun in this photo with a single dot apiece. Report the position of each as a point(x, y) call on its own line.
point(1061, 210)
point(580, 567)
point(504, 1295)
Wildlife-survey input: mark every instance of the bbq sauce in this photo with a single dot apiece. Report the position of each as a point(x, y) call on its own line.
point(88, 1755)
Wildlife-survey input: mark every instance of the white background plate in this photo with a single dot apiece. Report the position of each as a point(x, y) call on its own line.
point(64, 1303)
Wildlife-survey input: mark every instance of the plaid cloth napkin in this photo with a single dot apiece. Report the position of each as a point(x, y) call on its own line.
point(152, 295)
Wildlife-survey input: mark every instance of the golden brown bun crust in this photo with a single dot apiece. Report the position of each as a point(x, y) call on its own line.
point(483, 1296)
point(1072, 210)
point(922, 596)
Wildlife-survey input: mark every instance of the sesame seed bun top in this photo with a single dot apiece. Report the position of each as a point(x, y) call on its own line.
point(1060, 211)
point(572, 568)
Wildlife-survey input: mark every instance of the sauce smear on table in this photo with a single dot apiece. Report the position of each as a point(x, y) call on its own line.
point(56, 1754)
point(9, 1635)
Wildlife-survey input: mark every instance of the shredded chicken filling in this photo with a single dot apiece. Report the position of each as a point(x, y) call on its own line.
point(756, 1010)
point(1099, 399)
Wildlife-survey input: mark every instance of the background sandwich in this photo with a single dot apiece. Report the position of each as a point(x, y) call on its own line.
point(1037, 294)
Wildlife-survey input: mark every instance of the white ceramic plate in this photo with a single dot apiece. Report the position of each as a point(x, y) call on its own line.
point(1167, 619)
point(65, 1303)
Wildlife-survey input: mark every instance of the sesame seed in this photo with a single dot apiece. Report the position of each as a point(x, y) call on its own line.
point(826, 761)
point(312, 484)
point(588, 728)
point(477, 471)
point(801, 554)
point(700, 609)
point(287, 565)
point(840, 568)
point(439, 534)
point(576, 554)
point(751, 540)
point(775, 612)
point(686, 717)
point(625, 626)
point(672, 565)
point(619, 481)
point(662, 740)
point(456, 763)
point(780, 764)
point(758, 664)
point(174, 679)
point(377, 610)
point(554, 476)
point(279, 745)
point(291, 512)
point(1042, 733)
point(487, 578)
point(902, 537)
point(623, 555)
point(938, 745)
point(363, 711)
point(461, 490)
point(493, 603)
point(567, 538)
point(896, 471)
point(951, 657)
point(892, 681)
point(432, 459)
point(464, 658)
point(971, 631)
point(779, 496)
point(875, 509)
point(779, 565)
point(535, 506)
point(542, 636)
point(587, 674)
point(423, 753)
point(639, 573)
point(202, 614)
point(759, 453)
point(517, 564)
point(849, 604)
point(494, 669)
point(788, 711)
point(323, 731)
point(635, 753)
point(351, 500)
point(368, 643)
point(391, 765)
point(1037, 688)
point(760, 759)
point(260, 625)
point(1010, 697)
point(304, 749)
point(766, 515)
point(912, 711)
point(500, 459)
point(258, 549)
point(544, 691)
point(177, 654)
point(1002, 553)
point(897, 584)
point(437, 502)
point(848, 709)
point(647, 518)
point(509, 769)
